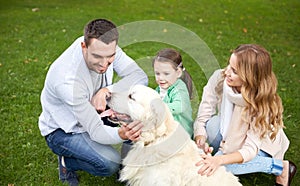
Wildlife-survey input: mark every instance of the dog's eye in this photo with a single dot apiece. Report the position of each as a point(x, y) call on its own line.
point(131, 97)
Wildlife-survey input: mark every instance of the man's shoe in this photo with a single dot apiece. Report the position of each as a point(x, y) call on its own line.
point(66, 176)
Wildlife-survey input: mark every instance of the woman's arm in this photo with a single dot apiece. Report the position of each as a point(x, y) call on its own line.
point(211, 163)
point(207, 108)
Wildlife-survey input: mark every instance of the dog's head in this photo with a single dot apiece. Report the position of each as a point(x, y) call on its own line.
point(144, 104)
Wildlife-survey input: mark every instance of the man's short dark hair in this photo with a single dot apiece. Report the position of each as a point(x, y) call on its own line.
point(101, 29)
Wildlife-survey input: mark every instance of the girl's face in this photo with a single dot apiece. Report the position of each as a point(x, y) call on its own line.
point(165, 74)
point(232, 79)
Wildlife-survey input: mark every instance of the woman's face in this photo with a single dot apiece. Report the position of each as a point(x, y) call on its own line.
point(232, 78)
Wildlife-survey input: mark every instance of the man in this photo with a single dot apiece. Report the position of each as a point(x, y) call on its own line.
point(75, 90)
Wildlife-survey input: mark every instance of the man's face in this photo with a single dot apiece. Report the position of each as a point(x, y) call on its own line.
point(98, 55)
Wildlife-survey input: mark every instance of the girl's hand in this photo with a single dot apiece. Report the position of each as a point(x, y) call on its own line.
point(200, 140)
point(209, 164)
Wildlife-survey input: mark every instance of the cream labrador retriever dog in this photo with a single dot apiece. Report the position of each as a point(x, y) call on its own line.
point(164, 155)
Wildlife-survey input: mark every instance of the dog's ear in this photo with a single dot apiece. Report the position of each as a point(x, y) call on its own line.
point(158, 108)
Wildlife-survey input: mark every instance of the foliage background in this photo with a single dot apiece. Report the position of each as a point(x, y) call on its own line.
point(35, 33)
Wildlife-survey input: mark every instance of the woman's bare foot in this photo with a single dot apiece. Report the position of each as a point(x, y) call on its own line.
point(283, 179)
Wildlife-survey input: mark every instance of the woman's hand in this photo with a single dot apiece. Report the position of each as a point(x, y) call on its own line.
point(131, 131)
point(209, 164)
point(200, 140)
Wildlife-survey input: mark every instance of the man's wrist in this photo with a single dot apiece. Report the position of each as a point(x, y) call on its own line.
point(122, 134)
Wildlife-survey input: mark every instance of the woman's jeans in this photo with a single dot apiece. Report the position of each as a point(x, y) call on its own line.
point(81, 153)
point(262, 162)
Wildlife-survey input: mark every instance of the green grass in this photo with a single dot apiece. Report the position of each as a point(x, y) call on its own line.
point(32, 40)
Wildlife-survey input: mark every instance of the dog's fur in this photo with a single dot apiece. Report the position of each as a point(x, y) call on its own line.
point(165, 154)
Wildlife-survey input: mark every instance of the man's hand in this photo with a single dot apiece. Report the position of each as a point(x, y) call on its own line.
point(99, 99)
point(131, 131)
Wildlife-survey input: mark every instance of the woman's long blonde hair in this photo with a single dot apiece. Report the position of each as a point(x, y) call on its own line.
point(259, 89)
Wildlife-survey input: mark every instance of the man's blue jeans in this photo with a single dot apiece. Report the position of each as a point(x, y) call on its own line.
point(81, 153)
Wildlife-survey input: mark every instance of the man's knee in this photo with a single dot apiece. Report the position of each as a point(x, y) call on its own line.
point(107, 168)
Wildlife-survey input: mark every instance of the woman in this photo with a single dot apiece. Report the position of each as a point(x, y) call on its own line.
point(241, 117)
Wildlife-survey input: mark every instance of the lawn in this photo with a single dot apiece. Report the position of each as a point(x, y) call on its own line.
point(35, 33)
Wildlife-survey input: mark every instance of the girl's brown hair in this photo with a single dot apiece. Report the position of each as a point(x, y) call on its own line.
point(174, 57)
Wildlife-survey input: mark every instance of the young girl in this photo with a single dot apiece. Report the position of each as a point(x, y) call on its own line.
point(174, 86)
point(247, 132)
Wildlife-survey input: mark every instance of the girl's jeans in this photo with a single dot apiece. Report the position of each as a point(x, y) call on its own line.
point(262, 162)
point(81, 153)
